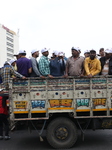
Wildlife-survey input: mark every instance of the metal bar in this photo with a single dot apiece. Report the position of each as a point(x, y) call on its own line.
point(92, 117)
point(20, 119)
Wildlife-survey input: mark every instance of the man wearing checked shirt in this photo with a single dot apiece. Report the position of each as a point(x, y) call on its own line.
point(44, 64)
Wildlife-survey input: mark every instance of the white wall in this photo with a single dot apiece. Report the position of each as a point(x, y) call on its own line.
point(3, 45)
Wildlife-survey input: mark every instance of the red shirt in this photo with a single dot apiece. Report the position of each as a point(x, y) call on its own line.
point(3, 110)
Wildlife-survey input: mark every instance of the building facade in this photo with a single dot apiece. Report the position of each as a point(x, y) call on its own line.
point(9, 44)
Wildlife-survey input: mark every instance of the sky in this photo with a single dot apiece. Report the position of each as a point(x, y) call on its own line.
point(59, 24)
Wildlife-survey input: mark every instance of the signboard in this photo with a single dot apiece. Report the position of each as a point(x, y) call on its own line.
point(20, 104)
point(38, 104)
point(82, 102)
point(99, 102)
point(61, 103)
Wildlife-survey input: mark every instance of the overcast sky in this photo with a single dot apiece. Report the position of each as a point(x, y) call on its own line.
point(59, 24)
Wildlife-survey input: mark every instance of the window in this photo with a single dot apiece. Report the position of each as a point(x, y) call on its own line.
point(10, 50)
point(8, 59)
point(9, 39)
point(10, 34)
point(9, 44)
point(10, 55)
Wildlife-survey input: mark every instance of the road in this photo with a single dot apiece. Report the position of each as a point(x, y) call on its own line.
point(23, 140)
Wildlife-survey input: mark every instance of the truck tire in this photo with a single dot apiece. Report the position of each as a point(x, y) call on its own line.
point(61, 133)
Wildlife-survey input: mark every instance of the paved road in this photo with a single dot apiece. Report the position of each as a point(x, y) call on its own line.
point(23, 140)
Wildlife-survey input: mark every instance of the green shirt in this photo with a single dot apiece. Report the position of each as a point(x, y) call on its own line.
point(44, 66)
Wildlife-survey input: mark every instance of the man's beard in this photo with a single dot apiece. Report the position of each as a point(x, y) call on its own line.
point(92, 57)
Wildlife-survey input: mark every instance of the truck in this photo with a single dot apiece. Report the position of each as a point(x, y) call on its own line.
point(61, 106)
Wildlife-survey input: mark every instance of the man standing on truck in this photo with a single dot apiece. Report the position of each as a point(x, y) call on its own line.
point(35, 67)
point(86, 53)
point(44, 64)
point(4, 116)
point(24, 66)
point(6, 73)
point(74, 64)
point(17, 55)
point(106, 63)
point(92, 65)
point(57, 65)
point(101, 53)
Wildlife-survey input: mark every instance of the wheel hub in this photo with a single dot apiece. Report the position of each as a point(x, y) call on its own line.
point(61, 133)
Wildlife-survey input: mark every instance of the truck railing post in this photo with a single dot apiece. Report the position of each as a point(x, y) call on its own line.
point(29, 105)
point(91, 103)
point(47, 113)
point(108, 98)
point(74, 98)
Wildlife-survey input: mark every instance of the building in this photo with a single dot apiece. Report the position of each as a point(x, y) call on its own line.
point(9, 44)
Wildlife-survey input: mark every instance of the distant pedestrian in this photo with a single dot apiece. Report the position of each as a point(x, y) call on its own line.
point(24, 66)
point(4, 116)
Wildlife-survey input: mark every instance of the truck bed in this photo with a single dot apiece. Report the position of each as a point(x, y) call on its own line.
point(36, 98)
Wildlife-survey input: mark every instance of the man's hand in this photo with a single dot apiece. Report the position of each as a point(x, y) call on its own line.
point(43, 77)
point(81, 75)
point(50, 76)
point(23, 77)
point(66, 75)
point(90, 75)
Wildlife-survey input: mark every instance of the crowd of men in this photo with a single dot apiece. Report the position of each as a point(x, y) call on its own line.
point(57, 66)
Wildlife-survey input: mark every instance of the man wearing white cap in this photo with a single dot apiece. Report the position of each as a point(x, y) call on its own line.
point(24, 66)
point(54, 54)
point(6, 73)
point(106, 63)
point(35, 69)
point(86, 53)
point(17, 55)
point(44, 63)
point(74, 64)
point(13, 64)
point(57, 65)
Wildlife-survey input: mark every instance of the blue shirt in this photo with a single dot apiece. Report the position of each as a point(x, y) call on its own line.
point(23, 66)
point(57, 67)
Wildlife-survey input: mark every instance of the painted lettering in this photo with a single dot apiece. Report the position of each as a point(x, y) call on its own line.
point(38, 103)
point(60, 103)
point(82, 102)
point(99, 101)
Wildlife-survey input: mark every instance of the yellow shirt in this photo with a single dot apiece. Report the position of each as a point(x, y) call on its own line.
point(92, 66)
